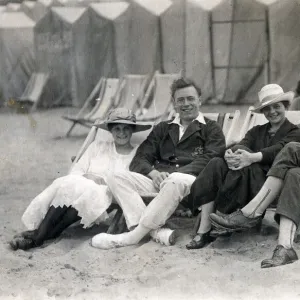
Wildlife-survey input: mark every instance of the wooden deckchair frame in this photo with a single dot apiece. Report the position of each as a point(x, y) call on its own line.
point(131, 91)
point(39, 80)
point(85, 117)
point(154, 95)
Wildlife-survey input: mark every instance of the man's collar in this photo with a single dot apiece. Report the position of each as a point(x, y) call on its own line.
point(200, 119)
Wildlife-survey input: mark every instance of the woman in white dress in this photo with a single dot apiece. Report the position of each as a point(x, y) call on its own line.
point(83, 194)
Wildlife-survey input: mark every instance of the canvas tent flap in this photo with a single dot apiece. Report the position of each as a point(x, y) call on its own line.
point(198, 48)
point(239, 50)
point(16, 54)
point(186, 41)
point(285, 43)
point(110, 22)
point(145, 45)
point(61, 51)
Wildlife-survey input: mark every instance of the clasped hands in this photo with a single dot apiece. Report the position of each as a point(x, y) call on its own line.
point(239, 159)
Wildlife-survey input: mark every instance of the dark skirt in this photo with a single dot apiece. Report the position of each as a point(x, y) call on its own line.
point(229, 189)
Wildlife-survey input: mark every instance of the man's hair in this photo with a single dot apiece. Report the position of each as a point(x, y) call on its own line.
point(182, 83)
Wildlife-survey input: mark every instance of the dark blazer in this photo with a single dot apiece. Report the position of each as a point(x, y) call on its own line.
point(163, 151)
point(258, 140)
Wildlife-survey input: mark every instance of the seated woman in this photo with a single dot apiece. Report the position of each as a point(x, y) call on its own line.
point(229, 183)
point(283, 183)
point(83, 194)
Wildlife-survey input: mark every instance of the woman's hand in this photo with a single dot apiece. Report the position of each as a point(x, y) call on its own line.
point(231, 159)
point(158, 177)
point(246, 159)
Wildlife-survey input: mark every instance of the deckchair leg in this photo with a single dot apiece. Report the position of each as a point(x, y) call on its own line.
point(71, 128)
point(112, 229)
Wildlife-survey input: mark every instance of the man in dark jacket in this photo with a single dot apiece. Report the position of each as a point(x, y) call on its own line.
point(166, 163)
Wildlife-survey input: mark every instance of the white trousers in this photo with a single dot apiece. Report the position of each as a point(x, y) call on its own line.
point(127, 187)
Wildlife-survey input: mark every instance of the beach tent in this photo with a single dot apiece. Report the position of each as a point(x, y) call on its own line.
point(284, 24)
point(61, 47)
point(40, 9)
point(144, 40)
point(16, 53)
point(13, 7)
point(185, 28)
point(108, 35)
point(28, 8)
point(239, 50)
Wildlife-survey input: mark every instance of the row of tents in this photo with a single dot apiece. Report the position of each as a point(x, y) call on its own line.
point(231, 48)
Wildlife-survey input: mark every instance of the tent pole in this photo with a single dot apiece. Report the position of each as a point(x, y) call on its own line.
point(212, 59)
point(268, 46)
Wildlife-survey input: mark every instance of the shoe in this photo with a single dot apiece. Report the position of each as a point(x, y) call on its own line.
point(164, 236)
point(219, 232)
point(235, 221)
point(26, 234)
point(281, 256)
point(21, 243)
point(200, 241)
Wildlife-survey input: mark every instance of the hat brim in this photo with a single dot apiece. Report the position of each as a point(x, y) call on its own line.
point(288, 96)
point(137, 126)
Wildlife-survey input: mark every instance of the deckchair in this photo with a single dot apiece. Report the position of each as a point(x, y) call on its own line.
point(131, 91)
point(157, 101)
point(87, 107)
point(106, 88)
point(34, 90)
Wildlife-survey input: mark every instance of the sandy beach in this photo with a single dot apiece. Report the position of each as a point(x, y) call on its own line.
point(33, 153)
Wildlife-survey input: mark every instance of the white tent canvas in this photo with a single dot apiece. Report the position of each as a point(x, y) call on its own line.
point(16, 53)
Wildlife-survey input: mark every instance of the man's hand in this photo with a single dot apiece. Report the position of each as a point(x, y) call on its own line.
point(158, 177)
point(246, 159)
point(97, 179)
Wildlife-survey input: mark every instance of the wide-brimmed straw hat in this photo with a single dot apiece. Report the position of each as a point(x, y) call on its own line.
point(122, 116)
point(270, 94)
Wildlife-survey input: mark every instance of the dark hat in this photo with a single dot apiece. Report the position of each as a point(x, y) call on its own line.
point(122, 115)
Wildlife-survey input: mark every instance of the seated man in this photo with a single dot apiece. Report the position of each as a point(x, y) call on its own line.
point(283, 181)
point(167, 163)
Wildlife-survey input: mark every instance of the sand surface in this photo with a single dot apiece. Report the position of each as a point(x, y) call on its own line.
point(33, 153)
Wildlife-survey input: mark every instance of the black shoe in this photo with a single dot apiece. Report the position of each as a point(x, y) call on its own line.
point(22, 243)
point(220, 233)
point(200, 241)
point(26, 234)
point(234, 222)
point(281, 256)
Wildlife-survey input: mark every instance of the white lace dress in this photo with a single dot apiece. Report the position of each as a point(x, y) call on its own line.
point(90, 199)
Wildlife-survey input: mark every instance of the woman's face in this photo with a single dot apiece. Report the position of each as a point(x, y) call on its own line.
point(122, 134)
point(275, 113)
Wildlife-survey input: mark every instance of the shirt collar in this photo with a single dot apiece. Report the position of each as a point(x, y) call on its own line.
point(200, 119)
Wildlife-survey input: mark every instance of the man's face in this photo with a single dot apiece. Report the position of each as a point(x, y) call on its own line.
point(187, 103)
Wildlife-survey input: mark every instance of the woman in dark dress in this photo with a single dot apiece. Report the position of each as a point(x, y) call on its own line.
point(229, 183)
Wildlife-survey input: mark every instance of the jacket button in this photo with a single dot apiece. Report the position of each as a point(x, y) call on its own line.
point(177, 166)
